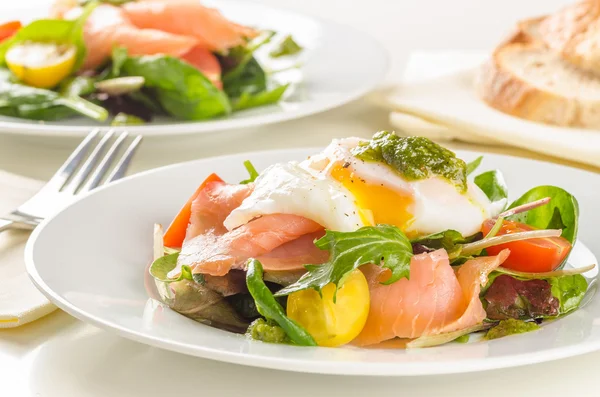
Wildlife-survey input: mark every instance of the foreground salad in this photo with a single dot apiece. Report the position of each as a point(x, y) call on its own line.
point(135, 60)
point(369, 241)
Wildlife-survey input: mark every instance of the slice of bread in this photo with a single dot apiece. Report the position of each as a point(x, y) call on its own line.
point(574, 33)
point(526, 79)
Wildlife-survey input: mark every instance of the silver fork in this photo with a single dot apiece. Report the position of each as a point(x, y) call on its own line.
point(74, 178)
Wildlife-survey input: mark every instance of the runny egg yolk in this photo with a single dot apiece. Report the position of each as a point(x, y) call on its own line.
point(379, 204)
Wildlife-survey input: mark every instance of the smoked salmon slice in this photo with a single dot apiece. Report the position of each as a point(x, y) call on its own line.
point(282, 242)
point(108, 27)
point(434, 300)
point(206, 62)
point(189, 18)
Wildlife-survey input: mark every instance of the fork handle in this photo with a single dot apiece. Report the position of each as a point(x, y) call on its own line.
point(6, 224)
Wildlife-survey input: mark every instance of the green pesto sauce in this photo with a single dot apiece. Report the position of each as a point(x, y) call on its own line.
point(267, 331)
point(510, 327)
point(414, 157)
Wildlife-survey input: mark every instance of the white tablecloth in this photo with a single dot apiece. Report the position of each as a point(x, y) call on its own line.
point(59, 356)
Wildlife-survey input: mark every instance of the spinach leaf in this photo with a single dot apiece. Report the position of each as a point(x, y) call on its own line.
point(77, 86)
point(288, 46)
point(248, 100)
point(561, 213)
point(119, 56)
point(161, 267)
point(493, 185)
point(510, 327)
point(181, 89)
point(22, 101)
point(53, 30)
point(252, 171)
point(383, 245)
point(414, 157)
point(473, 165)
point(251, 79)
point(270, 308)
point(569, 290)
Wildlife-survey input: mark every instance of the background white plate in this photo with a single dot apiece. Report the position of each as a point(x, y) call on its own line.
point(339, 64)
point(90, 261)
point(450, 99)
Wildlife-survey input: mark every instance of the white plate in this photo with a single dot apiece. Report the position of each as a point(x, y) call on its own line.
point(451, 100)
point(90, 260)
point(339, 64)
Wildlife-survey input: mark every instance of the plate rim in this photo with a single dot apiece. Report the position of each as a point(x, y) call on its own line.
point(284, 363)
point(40, 129)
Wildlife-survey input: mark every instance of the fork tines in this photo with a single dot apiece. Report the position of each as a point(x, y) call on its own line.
point(84, 170)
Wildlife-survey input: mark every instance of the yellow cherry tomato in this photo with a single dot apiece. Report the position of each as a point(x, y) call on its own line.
point(332, 324)
point(41, 65)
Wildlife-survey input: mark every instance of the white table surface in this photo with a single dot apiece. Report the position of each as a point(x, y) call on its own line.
point(59, 356)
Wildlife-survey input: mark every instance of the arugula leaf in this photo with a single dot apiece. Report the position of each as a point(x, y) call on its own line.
point(53, 30)
point(493, 185)
point(181, 89)
point(252, 171)
point(288, 46)
point(450, 240)
point(569, 290)
point(270, 308)
point(161, 267)
point(473, 165)
point(510, 327)
point(561, 213)
point(382, 245)
point(248, 100)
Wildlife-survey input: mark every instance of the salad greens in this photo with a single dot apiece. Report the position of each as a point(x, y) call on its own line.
point(271, 309)
point(251, 171)
point(288, 46)
point(122, 119)
point(493, 185)
point(473, 165)
point(414, 157)
point(450, 240)
point(510, 327)
point(54, 30)
point(181, 89)
point(569, 290)
point(561, 213)
point(247, 100)
point(383, 245)
point(77, 86)
point(160, 268)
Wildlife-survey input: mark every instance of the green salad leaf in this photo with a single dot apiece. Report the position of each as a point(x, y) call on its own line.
point(248, 100)
point(251, 79)
point(561, 213)
point(450, 240)
point(382, 245)
point(414, 157)
point(251, 171)
point(268, 307)
point(77, 86)
point(473, 165)
point(122, 119)
point(181, 89)
point(18, 100)
point(61, 31)
point(161, 267)
point(493, 185)
point(288, 46)
point(511, 327)
point(569, 290)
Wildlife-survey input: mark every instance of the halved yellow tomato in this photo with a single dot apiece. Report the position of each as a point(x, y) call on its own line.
point(332, 324)
point(41, 65)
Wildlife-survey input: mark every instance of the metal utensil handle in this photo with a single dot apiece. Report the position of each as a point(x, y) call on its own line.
point(6, 224)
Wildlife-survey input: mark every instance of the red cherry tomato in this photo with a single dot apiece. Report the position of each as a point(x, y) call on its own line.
point(535, 255)
point(8, 29)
